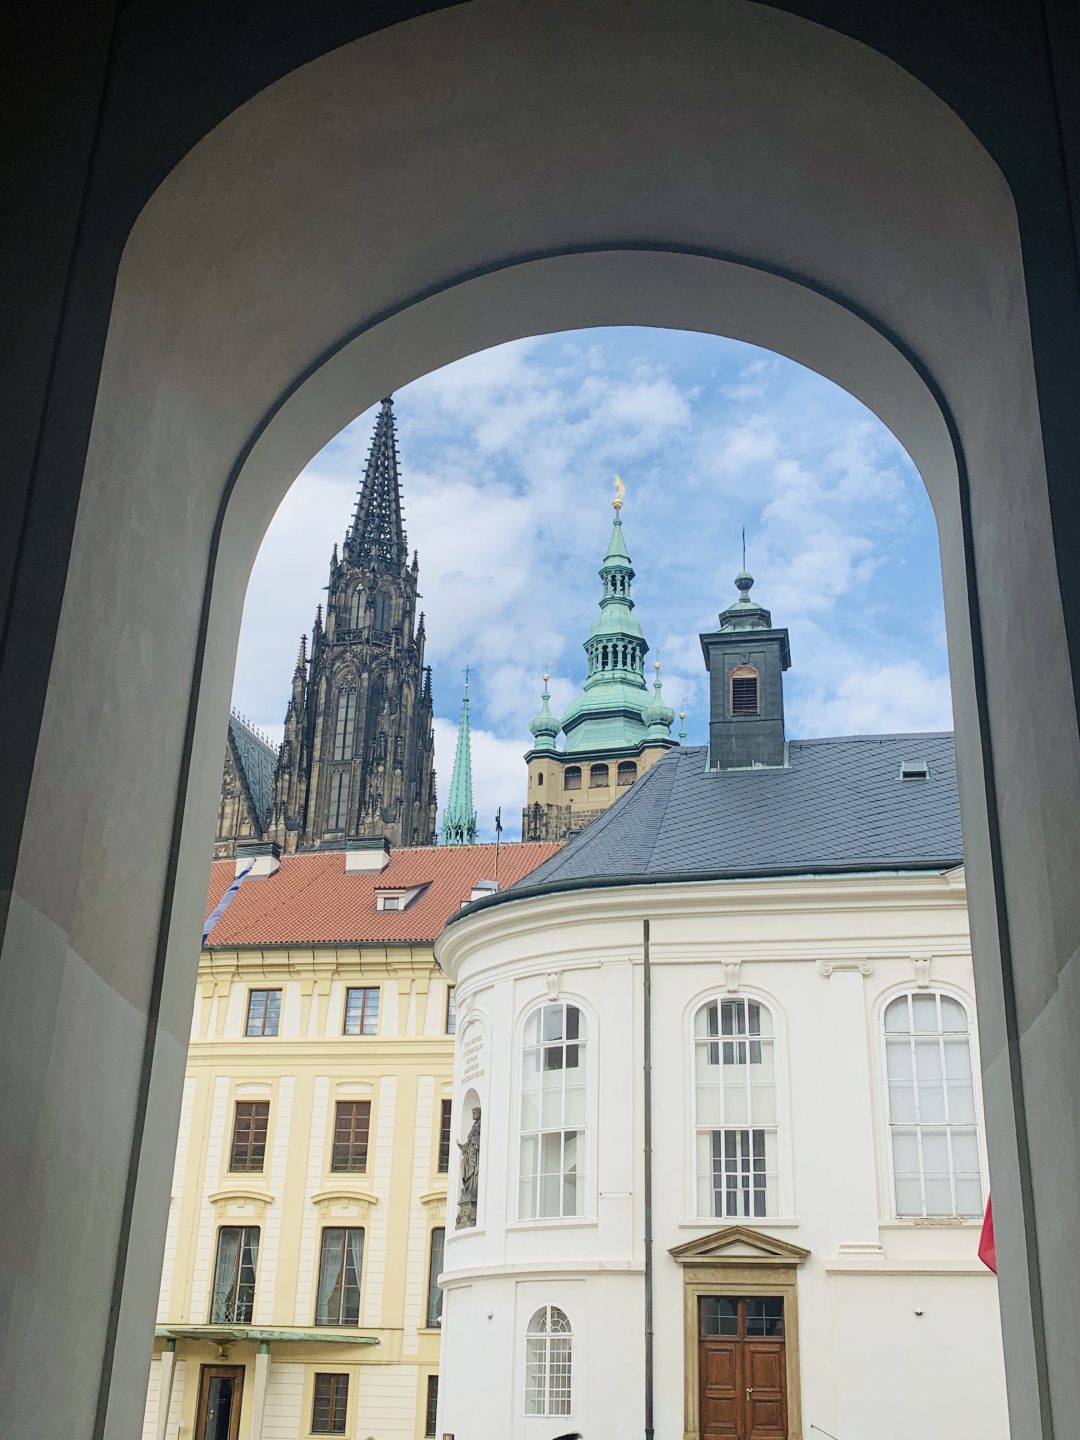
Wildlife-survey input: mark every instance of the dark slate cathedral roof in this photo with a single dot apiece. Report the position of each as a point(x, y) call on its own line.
point(256, 761)
point(839, 805)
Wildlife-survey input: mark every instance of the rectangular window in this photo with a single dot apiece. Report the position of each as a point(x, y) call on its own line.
point(352, 1124)
point(337, 817)
point(344, 730)
point(431, 1410)
point(741, 1020)
point(744, 695)
point(233, 1297)
point(330, 1404)
point(264, 1012)
point(251, 1122)
point(362, 1010)
point(552, 1152)
point(451, 1011)
point(444, 1138)
point(741, 1178)
point(341, 1263)
point(435, 1265)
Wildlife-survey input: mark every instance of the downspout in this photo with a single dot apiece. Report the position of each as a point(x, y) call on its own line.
point(647, 1067)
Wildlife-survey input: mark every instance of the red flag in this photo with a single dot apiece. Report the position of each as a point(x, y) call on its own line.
point(987, 1248)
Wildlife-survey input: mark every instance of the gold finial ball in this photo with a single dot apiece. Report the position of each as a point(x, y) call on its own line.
point(656, 666)
point(547, 677)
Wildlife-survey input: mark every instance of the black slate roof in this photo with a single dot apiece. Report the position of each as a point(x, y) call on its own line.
point(839, 805)
point(257, 763)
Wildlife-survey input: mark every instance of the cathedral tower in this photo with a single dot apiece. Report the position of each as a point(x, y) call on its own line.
point(614, 731)
point(357, 758)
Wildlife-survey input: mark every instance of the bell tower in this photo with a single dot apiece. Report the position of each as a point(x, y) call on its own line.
point(746, 659)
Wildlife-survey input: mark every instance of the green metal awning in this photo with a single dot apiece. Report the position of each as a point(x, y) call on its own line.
point(230, 1334)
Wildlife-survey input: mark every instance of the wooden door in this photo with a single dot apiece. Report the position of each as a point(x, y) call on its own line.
point(765, 1389)
point(218, 1415)
point(742, 1368)
point(720, 1376)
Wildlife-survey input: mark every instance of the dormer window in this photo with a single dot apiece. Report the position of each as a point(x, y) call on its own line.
point(398, 899)
point(914, 770)
point(744, 691)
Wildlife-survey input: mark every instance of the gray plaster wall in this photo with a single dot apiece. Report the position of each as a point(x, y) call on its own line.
point(228, 286)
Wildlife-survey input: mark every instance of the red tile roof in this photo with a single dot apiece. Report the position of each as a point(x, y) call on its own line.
point(312, 901)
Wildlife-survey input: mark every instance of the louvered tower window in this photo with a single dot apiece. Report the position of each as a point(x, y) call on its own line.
point(744, 691)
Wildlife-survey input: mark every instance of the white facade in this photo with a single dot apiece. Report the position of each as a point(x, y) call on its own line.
point(890, 1321)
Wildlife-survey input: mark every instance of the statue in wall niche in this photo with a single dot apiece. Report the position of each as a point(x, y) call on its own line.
point(470, 1173)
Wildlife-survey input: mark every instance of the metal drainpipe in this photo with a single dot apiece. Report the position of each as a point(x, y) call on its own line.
point(647, 1017)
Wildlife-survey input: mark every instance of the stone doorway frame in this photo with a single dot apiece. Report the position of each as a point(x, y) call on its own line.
point(738, 1260)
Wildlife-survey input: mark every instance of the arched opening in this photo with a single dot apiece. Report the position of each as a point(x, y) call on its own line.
point(880, 248)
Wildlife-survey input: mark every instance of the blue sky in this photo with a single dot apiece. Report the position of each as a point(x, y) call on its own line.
point(507, 461)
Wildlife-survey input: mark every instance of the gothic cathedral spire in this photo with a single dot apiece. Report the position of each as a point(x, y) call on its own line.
point(377, 531)
point(357, 760)
point(459, 817)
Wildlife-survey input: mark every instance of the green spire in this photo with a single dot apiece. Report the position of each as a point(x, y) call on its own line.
point(459, 817)
point(610, 712)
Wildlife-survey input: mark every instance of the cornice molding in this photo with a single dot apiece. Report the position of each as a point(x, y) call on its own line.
point(536, 915)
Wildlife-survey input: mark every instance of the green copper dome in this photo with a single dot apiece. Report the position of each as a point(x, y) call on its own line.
point(546, 726)
point(610, 711)
point(658, 716)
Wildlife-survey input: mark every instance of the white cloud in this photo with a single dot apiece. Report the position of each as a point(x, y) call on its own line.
point(507, 459)
point(879, 699)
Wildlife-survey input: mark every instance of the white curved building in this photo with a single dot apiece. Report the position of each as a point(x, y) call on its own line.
point(781, 951)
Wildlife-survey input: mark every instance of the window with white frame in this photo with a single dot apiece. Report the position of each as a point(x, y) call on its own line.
point(931, 1095)
point(736, 1121)
point(551, 1180)
point(549, 1359)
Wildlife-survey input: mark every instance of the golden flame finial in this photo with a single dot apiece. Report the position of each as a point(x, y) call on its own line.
point(620, 491)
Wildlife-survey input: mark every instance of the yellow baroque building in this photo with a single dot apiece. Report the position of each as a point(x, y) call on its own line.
point(299, 1292)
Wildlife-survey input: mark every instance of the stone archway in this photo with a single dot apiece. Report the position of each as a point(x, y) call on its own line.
point(492, 170)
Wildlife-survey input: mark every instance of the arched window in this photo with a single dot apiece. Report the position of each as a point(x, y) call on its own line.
point(598, 777)
point(345, 726)
point(744, 691)
point(736, 1144)
point(572, 777)
point(549, 1363)
point(357, 608)
point(935, 1148)
point(552, 1170)
point(627, 772)
point(539, 777)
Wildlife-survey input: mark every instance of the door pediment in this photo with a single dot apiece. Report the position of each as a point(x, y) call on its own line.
point(738, 1245)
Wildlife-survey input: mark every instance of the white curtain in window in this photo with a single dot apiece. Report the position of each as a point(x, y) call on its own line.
point(931, 1090)
point(553, 1114)
point(736, 1119)
point(225, 1275)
